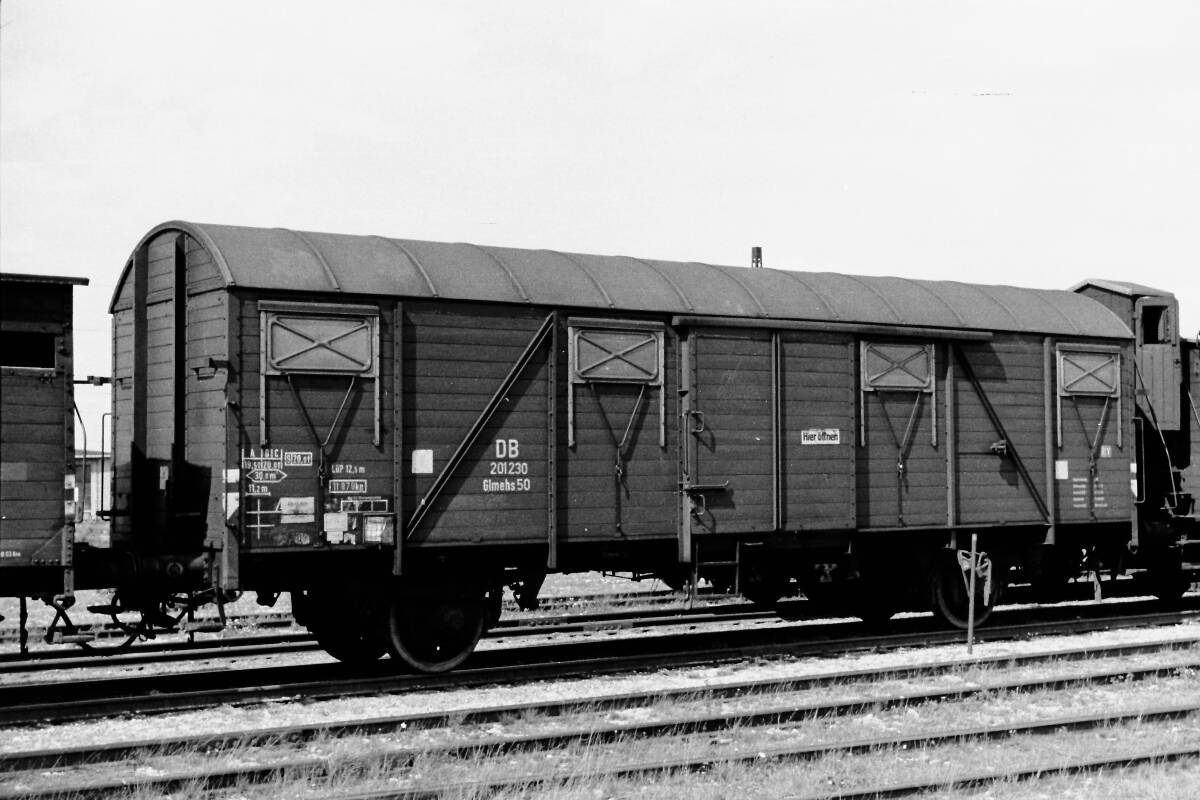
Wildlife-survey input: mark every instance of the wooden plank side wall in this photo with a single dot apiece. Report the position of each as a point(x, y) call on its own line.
point(455, 358)
point(205, 415)
point(120, 529)
point(1191, 422)
point(160, 346)
point(888, 497)
point(351, 447)
point(592, 501)
point(989, 488)
point(1111, 497)
point(36, 431)
point(817, 386)
point(31, 475)
point(733, 389)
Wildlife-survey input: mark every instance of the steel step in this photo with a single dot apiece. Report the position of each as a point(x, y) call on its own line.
point(74, 638)
point(107, 610)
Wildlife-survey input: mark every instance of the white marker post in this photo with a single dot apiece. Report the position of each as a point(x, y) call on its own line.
point(971, 597)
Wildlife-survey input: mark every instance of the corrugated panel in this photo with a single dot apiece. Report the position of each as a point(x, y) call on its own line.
point(319, 262)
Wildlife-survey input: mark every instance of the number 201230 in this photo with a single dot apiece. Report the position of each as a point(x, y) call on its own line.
point(509, 468)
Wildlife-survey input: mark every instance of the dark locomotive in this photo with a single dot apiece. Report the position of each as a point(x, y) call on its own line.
point(395, 431)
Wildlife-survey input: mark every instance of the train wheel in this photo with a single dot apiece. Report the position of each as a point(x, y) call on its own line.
point(852, 599)
point(762, 583)
point(763, 590)
point(350, 643)
point(493, 607)
point(950, 579)
point(347, 621)
point(435, 630)
point(1167, 578)
point(1049, 570)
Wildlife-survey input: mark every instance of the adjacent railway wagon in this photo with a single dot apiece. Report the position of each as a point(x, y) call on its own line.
point(394, 431)
point(37, 435)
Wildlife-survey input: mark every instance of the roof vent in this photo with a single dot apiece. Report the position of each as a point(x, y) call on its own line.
point(755, 256)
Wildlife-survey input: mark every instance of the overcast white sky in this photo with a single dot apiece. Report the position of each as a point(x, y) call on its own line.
point(1031, 143)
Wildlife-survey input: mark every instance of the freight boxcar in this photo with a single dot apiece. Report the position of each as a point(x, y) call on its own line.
point(395, 430)
point(37, 435)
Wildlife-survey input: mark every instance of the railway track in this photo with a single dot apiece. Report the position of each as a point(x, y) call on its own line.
point(555, 604)
point(260, 644)
point(298, 734)
point(557, 615)
point(761, 703)
point(58, 701)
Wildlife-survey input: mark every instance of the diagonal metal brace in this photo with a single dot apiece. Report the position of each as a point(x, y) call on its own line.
point(485, 416)
point(999, 426)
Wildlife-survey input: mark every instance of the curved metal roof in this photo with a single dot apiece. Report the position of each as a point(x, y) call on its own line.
point(277, 258)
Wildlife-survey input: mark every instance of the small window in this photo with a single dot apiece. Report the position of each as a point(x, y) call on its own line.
point(610, 355)
point(317, 343)
point(1082, 372)
point(1156, 325)
point(27, 349)
point(897, 367)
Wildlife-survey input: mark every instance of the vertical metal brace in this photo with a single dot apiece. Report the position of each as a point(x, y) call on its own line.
point(776, 433)
point(686, 442)
point(552, 446)
point(851, 396)
point(951, 447)
point(262, 380)
point(397, 362)
point(933, 388)
point(376, 345)
point(236, 439)
point(662, 390)
point(862, 402)
point(140, 348)
point(1048, 389)
point(179, 373)
point(571, 390)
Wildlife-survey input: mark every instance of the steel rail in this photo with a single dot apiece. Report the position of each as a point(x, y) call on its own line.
point(10, 633)
point(63, 658)
point(208, 779)
point(304, 642)
point(1044, 770)
point(658, 768)
point(297, 734)
point(61, 701)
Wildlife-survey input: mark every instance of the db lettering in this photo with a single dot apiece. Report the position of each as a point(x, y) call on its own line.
point(508, 448)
